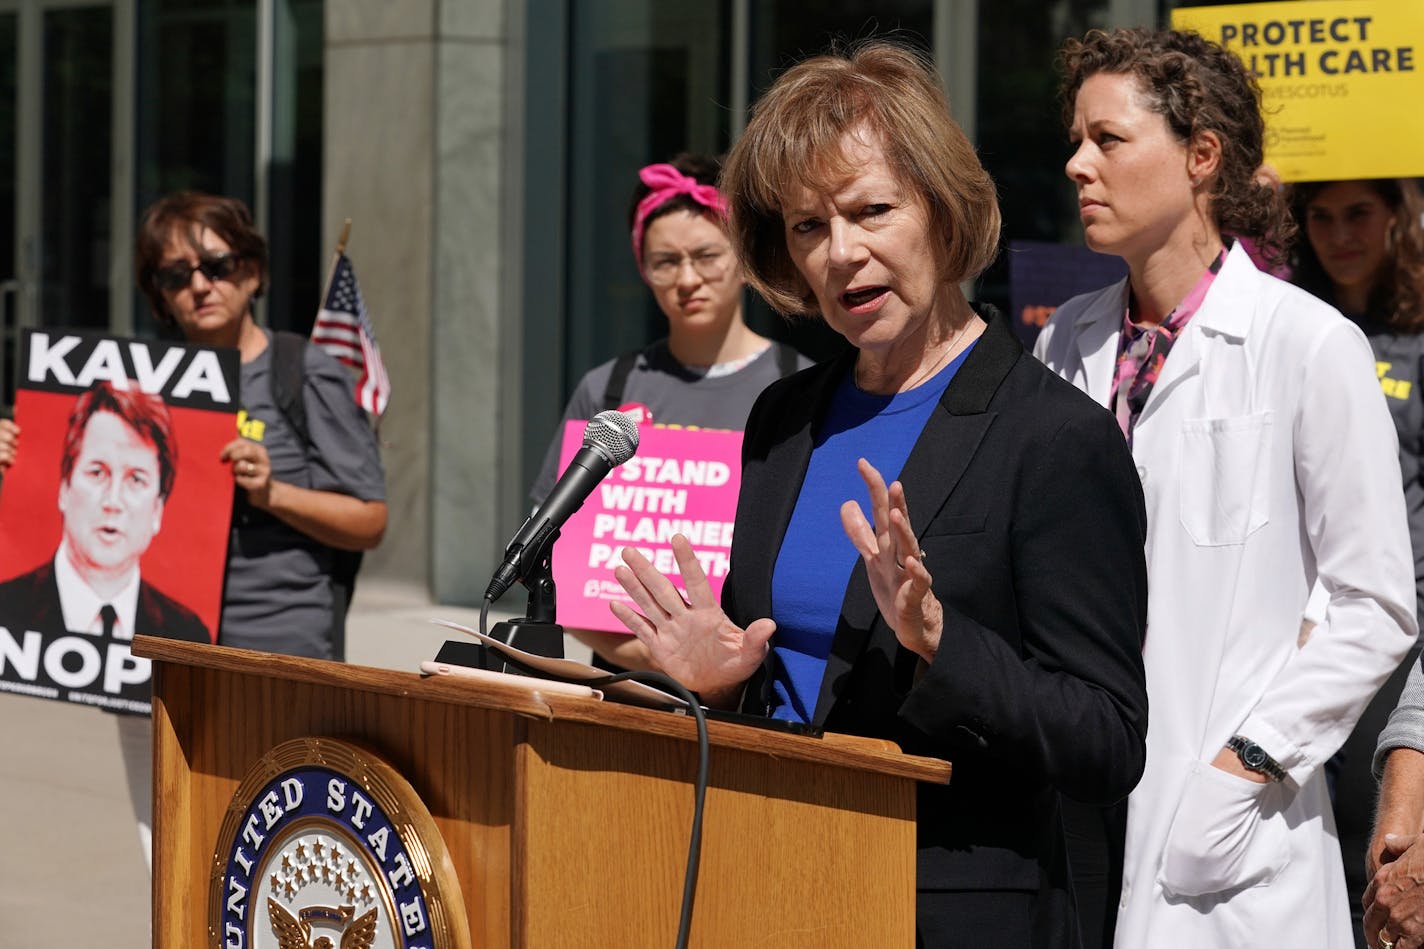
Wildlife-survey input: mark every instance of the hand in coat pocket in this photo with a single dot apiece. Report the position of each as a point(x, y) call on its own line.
point(1228, 834)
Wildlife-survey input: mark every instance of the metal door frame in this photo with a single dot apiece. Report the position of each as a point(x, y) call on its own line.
point(30, 173)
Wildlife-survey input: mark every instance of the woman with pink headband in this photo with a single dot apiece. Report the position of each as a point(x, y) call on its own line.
point(711, 366)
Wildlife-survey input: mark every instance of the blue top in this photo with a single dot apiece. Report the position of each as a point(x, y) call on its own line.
point(816, 557)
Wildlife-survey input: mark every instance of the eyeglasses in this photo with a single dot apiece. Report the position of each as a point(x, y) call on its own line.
point(177, 276)
point(711, 264)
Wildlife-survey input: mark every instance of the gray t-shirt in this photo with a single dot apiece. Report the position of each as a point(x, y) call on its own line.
point(278, 594)
point(1399, 359)
point(674, 394)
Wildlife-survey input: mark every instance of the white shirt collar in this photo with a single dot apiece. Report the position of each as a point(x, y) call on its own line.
point(81, 605)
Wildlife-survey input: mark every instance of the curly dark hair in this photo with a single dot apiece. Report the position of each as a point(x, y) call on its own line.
point(1397, 297)
point(1197, 86)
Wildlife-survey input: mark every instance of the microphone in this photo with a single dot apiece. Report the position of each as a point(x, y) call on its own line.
point(610, 439)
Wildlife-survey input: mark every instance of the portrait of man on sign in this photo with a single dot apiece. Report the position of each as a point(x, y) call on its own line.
point(116, 472)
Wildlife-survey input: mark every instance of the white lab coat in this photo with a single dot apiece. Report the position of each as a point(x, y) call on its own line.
point(1268, 459)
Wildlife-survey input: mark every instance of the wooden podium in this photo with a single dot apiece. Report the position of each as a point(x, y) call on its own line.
point(567, 818)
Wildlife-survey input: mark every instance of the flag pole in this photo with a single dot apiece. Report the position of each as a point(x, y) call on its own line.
point(331, 270)
point(326, 292)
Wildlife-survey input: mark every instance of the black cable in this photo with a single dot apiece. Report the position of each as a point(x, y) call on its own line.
point(668, 684)
point(694, 846)
point(484, 618)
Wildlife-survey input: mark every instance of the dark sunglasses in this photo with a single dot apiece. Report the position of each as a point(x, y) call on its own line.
point(177, 276)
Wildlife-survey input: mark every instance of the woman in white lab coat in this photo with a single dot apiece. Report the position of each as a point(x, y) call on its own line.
point(1267, 458)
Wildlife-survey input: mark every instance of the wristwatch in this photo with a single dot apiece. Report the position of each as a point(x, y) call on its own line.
point(1254, 758)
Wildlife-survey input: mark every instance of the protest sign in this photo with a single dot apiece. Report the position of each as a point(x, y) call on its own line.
point(1043, 276)
point(682, 481)
point(1340, 82)
point(114, 518)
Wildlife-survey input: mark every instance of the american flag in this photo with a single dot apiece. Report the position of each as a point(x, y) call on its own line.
point(343, 329)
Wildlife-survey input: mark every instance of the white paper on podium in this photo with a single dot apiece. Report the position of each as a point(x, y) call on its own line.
point(567, 670)
point(547, 686)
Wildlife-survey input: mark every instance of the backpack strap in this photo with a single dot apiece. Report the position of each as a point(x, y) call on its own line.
point(618, 378)
point(785, 359)
point(289, 372)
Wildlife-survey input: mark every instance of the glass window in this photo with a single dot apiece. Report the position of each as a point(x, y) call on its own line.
point(197, 89)
point(784, 32)
point(297, 259)
point(197, 128)
point(76, 158)
point(647, 80)
point(1020, 132)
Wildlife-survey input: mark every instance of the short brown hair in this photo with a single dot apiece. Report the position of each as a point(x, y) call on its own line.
point(146, 414)
point(1397, 297)
point(1196, 86)
point(794, 139)
point(187, 213)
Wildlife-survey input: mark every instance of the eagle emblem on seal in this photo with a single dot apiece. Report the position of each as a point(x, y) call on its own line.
point(295, 931)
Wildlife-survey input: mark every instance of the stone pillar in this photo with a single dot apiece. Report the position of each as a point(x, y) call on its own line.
point(416, 155)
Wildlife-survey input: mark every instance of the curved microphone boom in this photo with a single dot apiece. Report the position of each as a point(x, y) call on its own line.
point(610, 439)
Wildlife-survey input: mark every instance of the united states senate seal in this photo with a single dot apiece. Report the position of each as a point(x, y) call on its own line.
point(326, 846)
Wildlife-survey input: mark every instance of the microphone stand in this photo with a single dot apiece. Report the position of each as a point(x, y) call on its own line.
point(536, 632)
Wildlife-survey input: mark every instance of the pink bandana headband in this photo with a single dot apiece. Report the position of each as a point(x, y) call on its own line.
point(667, 182)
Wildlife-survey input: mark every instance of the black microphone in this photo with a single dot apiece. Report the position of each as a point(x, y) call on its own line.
point(610, 439)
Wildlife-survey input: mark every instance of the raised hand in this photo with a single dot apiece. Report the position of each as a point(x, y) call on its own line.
point(895, 564)
point(694, 642)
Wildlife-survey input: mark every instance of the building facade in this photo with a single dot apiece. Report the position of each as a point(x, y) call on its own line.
point(485, 151)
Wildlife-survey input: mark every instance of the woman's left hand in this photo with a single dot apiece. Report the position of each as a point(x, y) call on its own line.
point(251, 469)
point(895, 564)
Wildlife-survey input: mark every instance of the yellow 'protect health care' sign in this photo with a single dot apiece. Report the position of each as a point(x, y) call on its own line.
point(1341, 82)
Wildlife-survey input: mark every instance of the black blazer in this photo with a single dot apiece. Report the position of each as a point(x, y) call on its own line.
point(1024, 497)
point(31, 602)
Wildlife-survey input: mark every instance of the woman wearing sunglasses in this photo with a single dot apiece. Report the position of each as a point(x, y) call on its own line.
point(711, 367)
point(300, 500)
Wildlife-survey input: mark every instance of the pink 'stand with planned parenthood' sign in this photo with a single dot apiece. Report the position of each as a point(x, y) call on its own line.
point(681, 481)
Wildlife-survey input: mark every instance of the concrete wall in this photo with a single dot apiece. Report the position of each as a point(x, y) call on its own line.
point(417, 155)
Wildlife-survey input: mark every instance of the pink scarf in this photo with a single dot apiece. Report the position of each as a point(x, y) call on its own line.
point(667, 182)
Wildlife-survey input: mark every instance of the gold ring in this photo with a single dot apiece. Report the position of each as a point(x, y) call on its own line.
point(1384, 940)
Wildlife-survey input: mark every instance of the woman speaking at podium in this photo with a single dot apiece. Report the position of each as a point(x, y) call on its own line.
point(988, 605)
